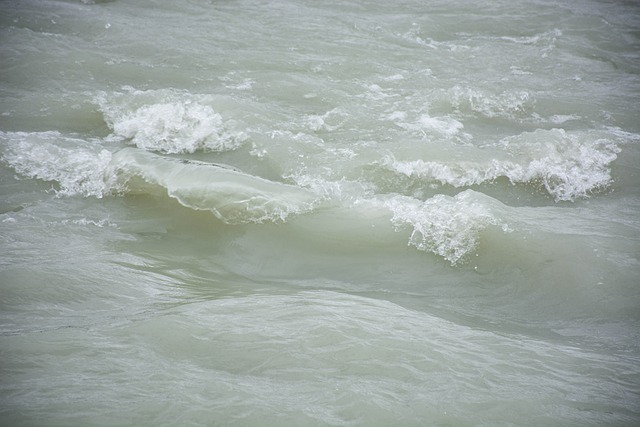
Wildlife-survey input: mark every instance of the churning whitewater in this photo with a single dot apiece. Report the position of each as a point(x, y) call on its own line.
point(298, 213)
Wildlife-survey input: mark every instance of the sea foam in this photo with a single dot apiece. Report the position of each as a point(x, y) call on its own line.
point(86, 169)
point(78, 166)
point(169, 121)
point(567, 165)
point(447, 226)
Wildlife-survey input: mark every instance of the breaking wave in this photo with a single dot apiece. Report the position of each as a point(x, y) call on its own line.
point(169, 121)
point(567, 165)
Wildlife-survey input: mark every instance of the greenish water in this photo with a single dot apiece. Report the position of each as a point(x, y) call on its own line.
point(302, 213)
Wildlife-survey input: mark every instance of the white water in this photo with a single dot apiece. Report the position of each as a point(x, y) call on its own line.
point(302, 213)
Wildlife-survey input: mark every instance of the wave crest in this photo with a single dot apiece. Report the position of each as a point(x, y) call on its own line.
point(169, 121)
point(447, 226)
point(76, 165)
point(568, 166)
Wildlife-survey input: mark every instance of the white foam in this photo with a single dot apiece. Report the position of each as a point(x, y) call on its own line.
point(519, 72)
point(447, 226)
point(508, 104)
point(567, 165)
point(457, 174)
point(445, 126)
point(246, 84)
point(415, 35)
point(547, 39)
point(394, 78)
point(169, 121)
point(375, 92)
point(397, 116)
point(318, 123)
point(559, 119)
point(343, 189)
point(102, 223)
point(82, 168)
point(548, 36)
point(76, 165)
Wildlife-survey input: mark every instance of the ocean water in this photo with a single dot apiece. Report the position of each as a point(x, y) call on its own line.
point(310, 213)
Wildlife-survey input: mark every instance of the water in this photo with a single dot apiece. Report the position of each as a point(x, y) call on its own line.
point(302, 213)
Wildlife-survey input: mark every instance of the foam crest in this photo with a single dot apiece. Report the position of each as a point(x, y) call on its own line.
point(318, 123)
point(169, 121)
point(441, 126)
point(546, 40)
point(76, 165)
point(232, 196)
point(457, 174)
point(82, 168)
point(568, 166)
point(509, 104)
point(447, 226)
point(327, 189)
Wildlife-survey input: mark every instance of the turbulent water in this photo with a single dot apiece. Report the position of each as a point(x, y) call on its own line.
point(300, 212)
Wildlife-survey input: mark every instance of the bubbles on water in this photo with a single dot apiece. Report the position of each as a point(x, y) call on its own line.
point(169, 121)
point(546, 40)
point(78, 167)
point(81, 168)
point(568, 165)
point(447, 226)
point(327, 122)
point(444, 126)
point(465, 100)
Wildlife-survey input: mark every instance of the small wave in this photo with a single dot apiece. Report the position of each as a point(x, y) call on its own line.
point(169, 121)
point(547, 40)
point(447, 226)
point(509, 104)
point(76, 165)
point(232, 196)
point(318, 123)
point(445, 126)
point(82, 168)
point(567, 165)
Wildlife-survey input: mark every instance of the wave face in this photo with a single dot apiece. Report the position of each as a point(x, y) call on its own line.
point(232, 196)
point(302, 213)
point(79, 168)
